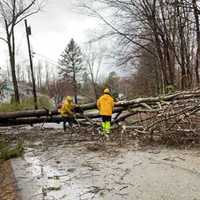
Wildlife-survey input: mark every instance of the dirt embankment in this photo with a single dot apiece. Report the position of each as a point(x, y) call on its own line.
point(8, 188)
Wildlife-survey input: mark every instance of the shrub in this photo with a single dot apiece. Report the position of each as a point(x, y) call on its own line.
point(7, 152)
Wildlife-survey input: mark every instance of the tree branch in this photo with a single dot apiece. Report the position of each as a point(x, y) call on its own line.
point(118, 31)
point(3, 39)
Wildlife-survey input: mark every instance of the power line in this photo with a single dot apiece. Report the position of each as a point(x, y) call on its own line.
point(45, 57)
point(48, 59)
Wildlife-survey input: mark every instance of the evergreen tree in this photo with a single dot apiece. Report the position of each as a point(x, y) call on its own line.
point(71, 65)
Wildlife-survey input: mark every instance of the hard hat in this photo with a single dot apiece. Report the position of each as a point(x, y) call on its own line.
point(106, 91)
point(69, 98)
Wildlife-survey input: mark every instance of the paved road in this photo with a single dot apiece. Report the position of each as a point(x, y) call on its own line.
point(75, 172)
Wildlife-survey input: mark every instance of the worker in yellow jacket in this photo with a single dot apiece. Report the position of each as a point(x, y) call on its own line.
point(66, 111)
point(105, 104)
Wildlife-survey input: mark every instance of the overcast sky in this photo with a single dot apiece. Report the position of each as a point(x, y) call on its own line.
point(51, 31)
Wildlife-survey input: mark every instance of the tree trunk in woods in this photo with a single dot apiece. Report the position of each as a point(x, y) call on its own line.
point(182, 48)
point(11, 50)
point(75, 88)
point(196, 15)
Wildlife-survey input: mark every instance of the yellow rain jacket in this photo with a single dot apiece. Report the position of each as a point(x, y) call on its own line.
point(66, 108)
point(105, 104)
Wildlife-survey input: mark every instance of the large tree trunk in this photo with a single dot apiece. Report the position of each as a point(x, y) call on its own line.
point(162, 63)
point(75, 92)
point(157, 105)
point(11, 49)
point(166, 47)
point(194, 2)
point(182, 49)
point(119, 106)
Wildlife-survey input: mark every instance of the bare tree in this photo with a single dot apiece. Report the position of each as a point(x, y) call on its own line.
point(170, 26)
point(12, 12)
point(94, 59)
point(47, 77)
point(196, 16)
point(39, 74)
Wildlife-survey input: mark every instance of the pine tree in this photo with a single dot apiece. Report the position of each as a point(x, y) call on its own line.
point(71, 65)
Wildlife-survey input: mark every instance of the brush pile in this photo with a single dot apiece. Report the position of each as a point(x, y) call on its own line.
point(172, 118)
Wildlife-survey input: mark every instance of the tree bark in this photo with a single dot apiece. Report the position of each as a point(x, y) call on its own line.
point(195, 10)
point(119, 106)
point(75, 85)
point(11, 50)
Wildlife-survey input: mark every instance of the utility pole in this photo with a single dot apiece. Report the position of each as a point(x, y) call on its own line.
point(28, 32)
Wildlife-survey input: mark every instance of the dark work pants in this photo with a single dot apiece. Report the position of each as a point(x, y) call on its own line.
point(106, 118)
point(70, 121)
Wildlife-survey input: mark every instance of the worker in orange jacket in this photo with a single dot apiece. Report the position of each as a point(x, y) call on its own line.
point(66, 111)
point(105, 104)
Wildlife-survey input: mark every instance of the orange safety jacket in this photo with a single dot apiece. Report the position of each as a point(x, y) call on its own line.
point(105, 104)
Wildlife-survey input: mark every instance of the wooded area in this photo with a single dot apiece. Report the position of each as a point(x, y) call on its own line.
point(156, 42)
point(160, 37)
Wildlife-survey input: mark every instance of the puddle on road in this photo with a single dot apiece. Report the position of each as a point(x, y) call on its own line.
point(54, 175)
point(74, 173)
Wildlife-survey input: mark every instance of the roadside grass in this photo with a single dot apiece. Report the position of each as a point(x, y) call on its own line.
point(26, 104)
point(7, 152)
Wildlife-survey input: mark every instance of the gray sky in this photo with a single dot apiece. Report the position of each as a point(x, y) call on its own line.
point(51, 31)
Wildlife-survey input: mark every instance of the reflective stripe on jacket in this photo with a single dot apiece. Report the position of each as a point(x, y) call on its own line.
point(105, 105)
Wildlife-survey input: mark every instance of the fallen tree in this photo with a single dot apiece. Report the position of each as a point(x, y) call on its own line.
point(151, 113)
point(136, 103)
point(171, 119)
point(51, 118)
